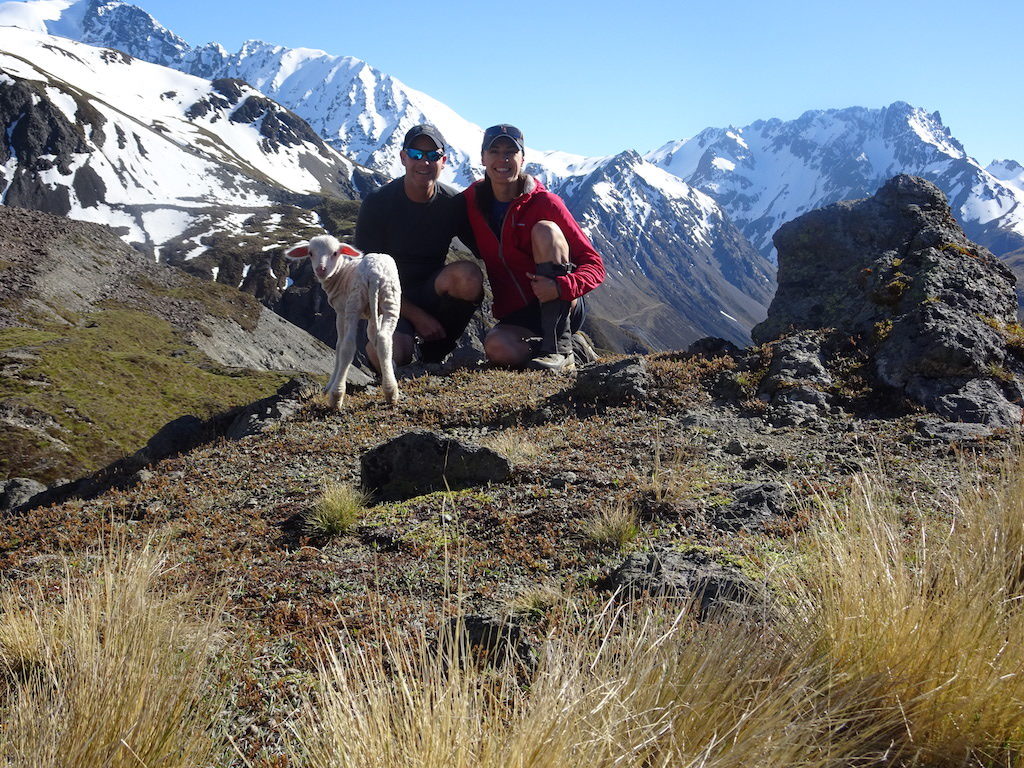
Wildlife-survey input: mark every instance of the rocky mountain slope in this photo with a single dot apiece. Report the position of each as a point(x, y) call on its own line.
point(100, 346)
point(678, 268)
point(684, 476)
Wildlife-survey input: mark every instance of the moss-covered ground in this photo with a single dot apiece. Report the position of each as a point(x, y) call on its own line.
point(82, 395)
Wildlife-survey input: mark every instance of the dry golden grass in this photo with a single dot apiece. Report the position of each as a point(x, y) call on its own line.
point(646, 695)
point(514, 444)
point(537, 600)
point(339, 507)
point(614, 525)
point(929, 623)
point(900, 647)
point(109, 675)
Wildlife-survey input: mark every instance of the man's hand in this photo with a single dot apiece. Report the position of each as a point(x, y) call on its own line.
point(428, 328)
point(425, 324)
point(544, 288)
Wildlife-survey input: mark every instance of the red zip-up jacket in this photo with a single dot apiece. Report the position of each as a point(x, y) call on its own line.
point(509, 259)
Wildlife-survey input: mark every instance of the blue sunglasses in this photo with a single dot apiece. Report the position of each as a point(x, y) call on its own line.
point(418, 154)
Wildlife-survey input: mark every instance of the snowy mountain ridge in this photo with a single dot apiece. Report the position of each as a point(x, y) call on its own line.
point(359, 110)
point(679, 202)
point(100, 136)
point(368, 112)
point(762, 174)
point(771, 171)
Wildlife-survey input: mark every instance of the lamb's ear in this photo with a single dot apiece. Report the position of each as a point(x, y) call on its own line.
point(298, 251)
point(348, 250)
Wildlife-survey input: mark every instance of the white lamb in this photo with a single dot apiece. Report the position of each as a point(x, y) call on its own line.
point(358, 286)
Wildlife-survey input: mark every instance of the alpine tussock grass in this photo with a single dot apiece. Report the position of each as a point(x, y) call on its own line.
point(897, 640)
point(896, 646)
point(109, 675)
point(338, 508)
point(928, 624)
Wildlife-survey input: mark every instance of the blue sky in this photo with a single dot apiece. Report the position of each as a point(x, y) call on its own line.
point(596, 79)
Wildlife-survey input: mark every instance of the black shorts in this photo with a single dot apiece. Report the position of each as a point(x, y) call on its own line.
point(453, 315)
point(423, 296)
point(529, 317)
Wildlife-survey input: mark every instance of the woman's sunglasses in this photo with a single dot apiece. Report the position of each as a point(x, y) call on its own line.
point(418, 154)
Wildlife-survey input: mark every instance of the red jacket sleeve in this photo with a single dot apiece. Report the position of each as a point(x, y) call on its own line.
point(589, 271)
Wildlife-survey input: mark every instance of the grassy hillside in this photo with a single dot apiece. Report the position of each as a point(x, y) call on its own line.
point(100, 347)
point(80, 396)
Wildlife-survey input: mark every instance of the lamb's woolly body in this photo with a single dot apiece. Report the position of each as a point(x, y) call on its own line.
point(357, 286)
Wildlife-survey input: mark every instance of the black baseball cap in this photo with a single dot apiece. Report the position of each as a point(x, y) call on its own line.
point(504, 131)
point(426, 129)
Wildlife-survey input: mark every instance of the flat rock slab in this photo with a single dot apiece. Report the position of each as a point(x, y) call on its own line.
point(952, 432)
point(17, 491)
point(421, 462)
point(689, 576)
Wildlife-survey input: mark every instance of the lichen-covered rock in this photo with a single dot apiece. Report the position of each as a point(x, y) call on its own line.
point(896, 272)
point(857, 263)
point(797, 382)
point(421, 462)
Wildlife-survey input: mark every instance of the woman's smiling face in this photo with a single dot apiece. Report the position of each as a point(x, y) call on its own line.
point(503, 162)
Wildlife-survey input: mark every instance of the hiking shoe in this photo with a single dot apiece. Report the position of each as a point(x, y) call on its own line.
point(582, 350)
point(553, 362)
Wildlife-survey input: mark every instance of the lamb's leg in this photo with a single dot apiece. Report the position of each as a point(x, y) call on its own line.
point(384, 344)
point(344, 351)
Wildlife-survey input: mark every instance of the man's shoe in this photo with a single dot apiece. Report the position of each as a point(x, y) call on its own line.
point(553, 362)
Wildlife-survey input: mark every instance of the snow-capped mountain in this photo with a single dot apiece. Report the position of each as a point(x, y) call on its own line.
point(100, 136)
point(664, 239)
point(681, 270)
point(771, 171)
point(1010, 172)
point(666, 289)
point(359, 110)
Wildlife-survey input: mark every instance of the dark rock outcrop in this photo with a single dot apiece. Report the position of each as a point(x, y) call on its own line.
point(933, 311)
point(754, 505)
point(488, 640)
point(613, 383)
point(422, 462)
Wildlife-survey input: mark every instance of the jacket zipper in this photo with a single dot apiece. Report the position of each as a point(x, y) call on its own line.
point(501, 255)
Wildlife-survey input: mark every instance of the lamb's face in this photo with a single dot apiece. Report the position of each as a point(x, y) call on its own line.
point(325, 253)
point(325, 259)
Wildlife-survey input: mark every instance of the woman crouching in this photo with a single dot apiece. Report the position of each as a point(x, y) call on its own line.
point(539, 262)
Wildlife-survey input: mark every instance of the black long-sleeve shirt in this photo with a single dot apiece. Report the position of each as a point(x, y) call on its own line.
point(416, 235)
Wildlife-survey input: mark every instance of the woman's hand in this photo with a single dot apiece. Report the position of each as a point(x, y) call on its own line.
point(544, 288)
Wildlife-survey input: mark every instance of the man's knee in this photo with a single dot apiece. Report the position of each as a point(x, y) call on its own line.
point(461, 280)
point(549, 243)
